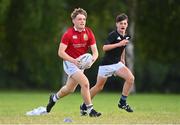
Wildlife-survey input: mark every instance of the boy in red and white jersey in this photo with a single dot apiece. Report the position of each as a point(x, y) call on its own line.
point(75, 42)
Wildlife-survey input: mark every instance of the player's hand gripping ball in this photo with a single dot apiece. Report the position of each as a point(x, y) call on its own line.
point(85, 61)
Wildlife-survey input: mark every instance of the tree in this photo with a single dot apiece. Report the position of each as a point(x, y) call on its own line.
point(157, 46)
point(130, 48)
point(28, 48)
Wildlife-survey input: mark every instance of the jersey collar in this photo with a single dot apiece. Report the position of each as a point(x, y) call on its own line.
point(77, 30)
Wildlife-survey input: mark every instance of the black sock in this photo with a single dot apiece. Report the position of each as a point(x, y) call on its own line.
point(123, 100)
point(84, 106)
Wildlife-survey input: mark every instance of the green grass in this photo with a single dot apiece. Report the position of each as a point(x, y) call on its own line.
point(149, 109)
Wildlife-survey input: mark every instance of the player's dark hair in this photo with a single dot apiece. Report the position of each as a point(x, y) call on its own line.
point(121, 17)
point(78, 11)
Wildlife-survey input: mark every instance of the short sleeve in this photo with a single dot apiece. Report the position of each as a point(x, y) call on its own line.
point(109, 39)
point(93, 40)
point(65, 38)
point(92, 37)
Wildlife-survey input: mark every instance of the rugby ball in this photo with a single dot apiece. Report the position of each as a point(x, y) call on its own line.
point(85, 61)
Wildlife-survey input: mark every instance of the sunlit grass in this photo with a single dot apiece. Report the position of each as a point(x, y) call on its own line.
point(149, 109)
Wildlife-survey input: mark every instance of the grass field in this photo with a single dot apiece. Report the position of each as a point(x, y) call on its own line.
point(149, 109)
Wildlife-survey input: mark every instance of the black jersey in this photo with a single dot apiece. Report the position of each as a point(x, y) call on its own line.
point(113, 56)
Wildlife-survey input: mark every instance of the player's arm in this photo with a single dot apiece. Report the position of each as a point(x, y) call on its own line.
point(93, 46)
point(95, 53)
point(108, 47)
point(64, 55)
point(123, 57)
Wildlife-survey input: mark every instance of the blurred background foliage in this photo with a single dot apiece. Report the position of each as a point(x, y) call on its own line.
point(30, 32)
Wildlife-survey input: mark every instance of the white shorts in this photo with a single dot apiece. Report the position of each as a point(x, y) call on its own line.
point(109, 70)
point(70, 68)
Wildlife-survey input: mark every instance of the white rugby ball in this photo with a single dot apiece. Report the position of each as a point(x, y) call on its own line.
point(85, 61)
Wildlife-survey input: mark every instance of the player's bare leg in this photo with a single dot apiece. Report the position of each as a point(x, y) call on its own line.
point(84, 83)
point(93, 91)
point(98, 86)
point(126, 74)
point(68, 88)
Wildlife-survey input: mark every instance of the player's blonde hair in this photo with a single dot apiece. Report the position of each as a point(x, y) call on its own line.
point(78, 11)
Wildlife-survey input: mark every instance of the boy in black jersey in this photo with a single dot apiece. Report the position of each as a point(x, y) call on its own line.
point(113, 63)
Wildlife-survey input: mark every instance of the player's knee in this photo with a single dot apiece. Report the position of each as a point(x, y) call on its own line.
point(131, 79)
point(71, 90)
point(100, 87)
point(85, 86)
point(68, 89)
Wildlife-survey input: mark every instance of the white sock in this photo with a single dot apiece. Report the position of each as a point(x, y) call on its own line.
point(55, 97)
point(89, 108)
